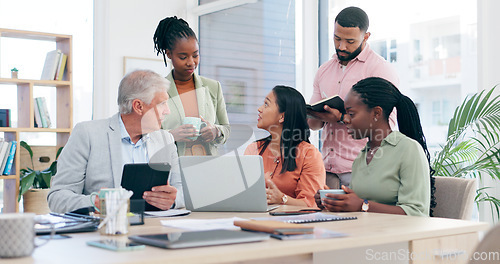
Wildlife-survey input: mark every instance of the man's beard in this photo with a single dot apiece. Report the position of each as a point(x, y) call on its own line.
point(350, 55)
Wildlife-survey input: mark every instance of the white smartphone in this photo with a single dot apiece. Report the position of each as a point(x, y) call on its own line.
point(334, 191)
point(116, 245)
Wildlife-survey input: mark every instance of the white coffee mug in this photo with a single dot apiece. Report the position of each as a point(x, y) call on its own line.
point(17, 234)
point(197, 124)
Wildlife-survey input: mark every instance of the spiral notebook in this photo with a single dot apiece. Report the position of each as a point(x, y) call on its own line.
point(307, 218)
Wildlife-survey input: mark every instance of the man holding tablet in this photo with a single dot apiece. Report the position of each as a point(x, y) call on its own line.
point(97, 150)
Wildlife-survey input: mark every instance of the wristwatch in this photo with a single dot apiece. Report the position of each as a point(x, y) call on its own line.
point(365, 206)
point(284, 199)
point(219, 133)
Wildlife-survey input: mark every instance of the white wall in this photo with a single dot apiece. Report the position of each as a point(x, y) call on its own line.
point(124, 28)
point(488, 57)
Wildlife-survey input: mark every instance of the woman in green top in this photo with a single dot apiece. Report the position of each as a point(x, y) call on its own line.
point(392, 173)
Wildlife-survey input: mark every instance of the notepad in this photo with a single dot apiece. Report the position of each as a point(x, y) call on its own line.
point(307, 218)
point(274, 227)
point(333, 102)
point(319, 233)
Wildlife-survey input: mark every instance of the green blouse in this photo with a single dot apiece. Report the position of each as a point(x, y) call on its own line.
point(398, 174)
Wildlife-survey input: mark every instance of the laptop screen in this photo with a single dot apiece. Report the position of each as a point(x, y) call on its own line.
point(223, 183)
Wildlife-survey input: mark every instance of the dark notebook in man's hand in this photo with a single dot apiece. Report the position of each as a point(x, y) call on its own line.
point(333, 102)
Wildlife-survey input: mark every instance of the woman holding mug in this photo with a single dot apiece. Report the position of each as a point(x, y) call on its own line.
point(190, 95)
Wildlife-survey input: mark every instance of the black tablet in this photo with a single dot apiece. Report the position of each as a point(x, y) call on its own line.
point(141, 177)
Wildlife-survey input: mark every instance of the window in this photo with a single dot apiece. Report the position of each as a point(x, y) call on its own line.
point(249, 49)
point(387, 49)
point(427, 48)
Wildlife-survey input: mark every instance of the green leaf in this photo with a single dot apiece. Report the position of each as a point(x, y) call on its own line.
point(472, 148)
point(26, 183)
point(46, 176)
point(27, 147)
point(58, 152)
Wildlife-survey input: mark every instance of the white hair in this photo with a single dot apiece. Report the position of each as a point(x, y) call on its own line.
point(142, 85)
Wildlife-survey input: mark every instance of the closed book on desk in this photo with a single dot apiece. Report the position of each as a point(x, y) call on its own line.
point(307, 218)
point(274, 227)
point(333, 102)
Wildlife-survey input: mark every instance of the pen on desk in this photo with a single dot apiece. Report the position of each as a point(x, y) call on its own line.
point(88, 217)
point(70, 217)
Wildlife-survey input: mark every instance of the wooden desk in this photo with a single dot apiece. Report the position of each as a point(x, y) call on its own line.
point(370, 230)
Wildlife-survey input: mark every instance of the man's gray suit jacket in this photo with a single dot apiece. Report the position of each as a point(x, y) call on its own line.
point(92, 159)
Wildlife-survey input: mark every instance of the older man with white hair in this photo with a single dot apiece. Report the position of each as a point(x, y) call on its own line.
point(97, 150)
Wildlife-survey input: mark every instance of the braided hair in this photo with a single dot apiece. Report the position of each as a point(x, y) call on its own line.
point(167, 33)
point(295, 127)
point(375, 91)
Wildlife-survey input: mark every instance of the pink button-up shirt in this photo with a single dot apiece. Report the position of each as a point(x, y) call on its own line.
point(339, 149)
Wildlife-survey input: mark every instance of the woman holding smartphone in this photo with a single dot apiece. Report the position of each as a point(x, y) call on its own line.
point(392, 173)
point(293, 167)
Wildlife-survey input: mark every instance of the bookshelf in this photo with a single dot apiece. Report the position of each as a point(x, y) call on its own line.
point(26, 110)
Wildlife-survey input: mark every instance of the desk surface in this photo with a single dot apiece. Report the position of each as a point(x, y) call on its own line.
point(368, 230)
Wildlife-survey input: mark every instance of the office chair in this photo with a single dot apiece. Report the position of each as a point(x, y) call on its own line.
point(487, 251)
point(454, 197)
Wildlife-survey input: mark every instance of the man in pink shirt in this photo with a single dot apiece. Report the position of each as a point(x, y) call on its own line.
point(353, 61)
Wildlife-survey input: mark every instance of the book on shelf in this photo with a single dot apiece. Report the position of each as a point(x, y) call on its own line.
point(333, 102)
point(5, 146)
point(50, 65)
point(10, 159)
point(41, 106)
point(61, 67)
point(4, 117)
point(38, 118)
point(273, 227)
point(45, 109)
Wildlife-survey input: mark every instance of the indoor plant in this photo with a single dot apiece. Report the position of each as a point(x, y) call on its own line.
point(34, 184)
point(14, 72)
point(472, 148)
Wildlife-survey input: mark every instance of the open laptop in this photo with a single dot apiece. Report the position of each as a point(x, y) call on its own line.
point(224, 183)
